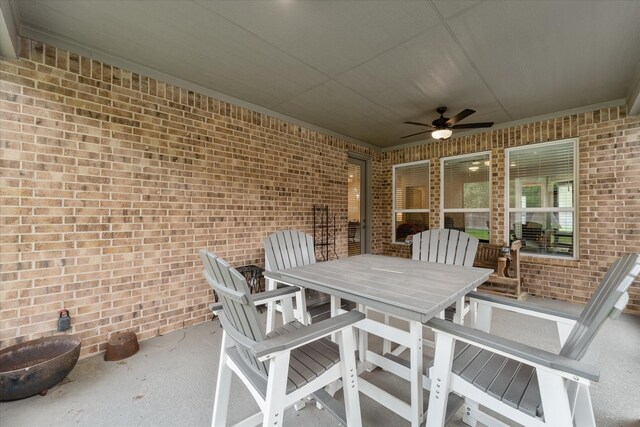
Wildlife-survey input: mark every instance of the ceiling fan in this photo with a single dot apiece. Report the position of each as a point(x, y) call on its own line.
point(443, 126)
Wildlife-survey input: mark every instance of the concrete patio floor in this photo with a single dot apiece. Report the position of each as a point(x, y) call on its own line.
point(171, 382)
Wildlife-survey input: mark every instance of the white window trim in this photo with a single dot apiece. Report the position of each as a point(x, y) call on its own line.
point(393, 197)
point(575, 209)
point(443, 210)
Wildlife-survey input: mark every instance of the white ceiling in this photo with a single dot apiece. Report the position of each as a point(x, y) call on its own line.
point(362, 68)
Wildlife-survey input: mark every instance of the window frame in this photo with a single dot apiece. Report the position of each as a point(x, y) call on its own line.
point(575, 209)
point(443, 211)
point(393, 196)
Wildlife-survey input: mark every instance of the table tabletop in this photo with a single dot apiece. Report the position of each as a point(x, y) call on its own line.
point(414, 290)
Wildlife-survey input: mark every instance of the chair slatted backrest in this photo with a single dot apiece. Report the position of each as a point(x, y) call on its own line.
point(288, 249)
point(445, 247)
point(607, 301)
point(238, 310)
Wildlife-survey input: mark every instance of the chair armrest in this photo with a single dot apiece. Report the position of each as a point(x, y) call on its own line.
point(273, 275)
point(274, 295)
point(515, 350)
point(263, 297)
point(523, 307)
point(299, 337)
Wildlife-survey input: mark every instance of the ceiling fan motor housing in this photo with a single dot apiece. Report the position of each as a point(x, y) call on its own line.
point(441, 122)
point(443, 126)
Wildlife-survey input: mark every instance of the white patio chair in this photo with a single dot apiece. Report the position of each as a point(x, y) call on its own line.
point(446, 247)
point(525, 384)
point(288, 249)
point(284, 366)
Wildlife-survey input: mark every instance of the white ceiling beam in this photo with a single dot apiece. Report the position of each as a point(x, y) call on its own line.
point(633, 98)
point(9, 38)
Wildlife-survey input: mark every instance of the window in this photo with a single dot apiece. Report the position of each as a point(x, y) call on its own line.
point(542, 200)
point(410, 199)
point(466, 194)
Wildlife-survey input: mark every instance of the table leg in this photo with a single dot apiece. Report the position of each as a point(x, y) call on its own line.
point(416, 380)
point(363, 345)
point(301, 308)
point(386, 344)
point(459, 316)
point(336, 304)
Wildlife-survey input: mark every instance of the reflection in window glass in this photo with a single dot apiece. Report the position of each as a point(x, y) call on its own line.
point(410, 223)
point(466, 194)
point(410, 199)
point(541, 197)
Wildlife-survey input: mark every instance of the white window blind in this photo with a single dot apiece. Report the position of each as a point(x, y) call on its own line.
point(410, 199)
point(466, 194)
point(542, 197)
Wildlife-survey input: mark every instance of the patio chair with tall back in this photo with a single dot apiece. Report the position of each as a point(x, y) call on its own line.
point(284, 366)
point(289, 249)
point(442, 246)
point(528, 385)
point(446, 247)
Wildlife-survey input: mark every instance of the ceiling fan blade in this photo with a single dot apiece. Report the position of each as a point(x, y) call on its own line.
point(419, 124)
point(473, 125)
point(414, 134)
point(461, 115)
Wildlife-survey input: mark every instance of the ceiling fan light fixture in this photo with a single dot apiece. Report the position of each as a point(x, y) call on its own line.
point(441, 133)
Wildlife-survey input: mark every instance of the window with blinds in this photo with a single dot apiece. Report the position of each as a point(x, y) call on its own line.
point(542, 199)
point(410, 199)
point(466, 194)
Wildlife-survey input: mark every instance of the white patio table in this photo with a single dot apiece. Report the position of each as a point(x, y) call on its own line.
point(414, 291)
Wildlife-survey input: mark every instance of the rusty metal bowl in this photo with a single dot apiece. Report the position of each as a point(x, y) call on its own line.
point(35, 366)
point(121, 345)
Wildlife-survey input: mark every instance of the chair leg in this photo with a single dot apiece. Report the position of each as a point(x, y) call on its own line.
point(349, 377)
point(564, 330)
point(583, 411)
point(276, 391)
point(416, 373)
point(270, 285)
point(467, 418)
point(555, 402)
point(483, 317)
point(223, 387)
point(287, 310)
point(440, 378)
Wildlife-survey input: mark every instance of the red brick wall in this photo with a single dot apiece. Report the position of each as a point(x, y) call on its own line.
point(609, 195)
point(112, 181)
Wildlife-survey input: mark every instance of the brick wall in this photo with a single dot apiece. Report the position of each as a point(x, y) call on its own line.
point(609, 195)
point(112, 181)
